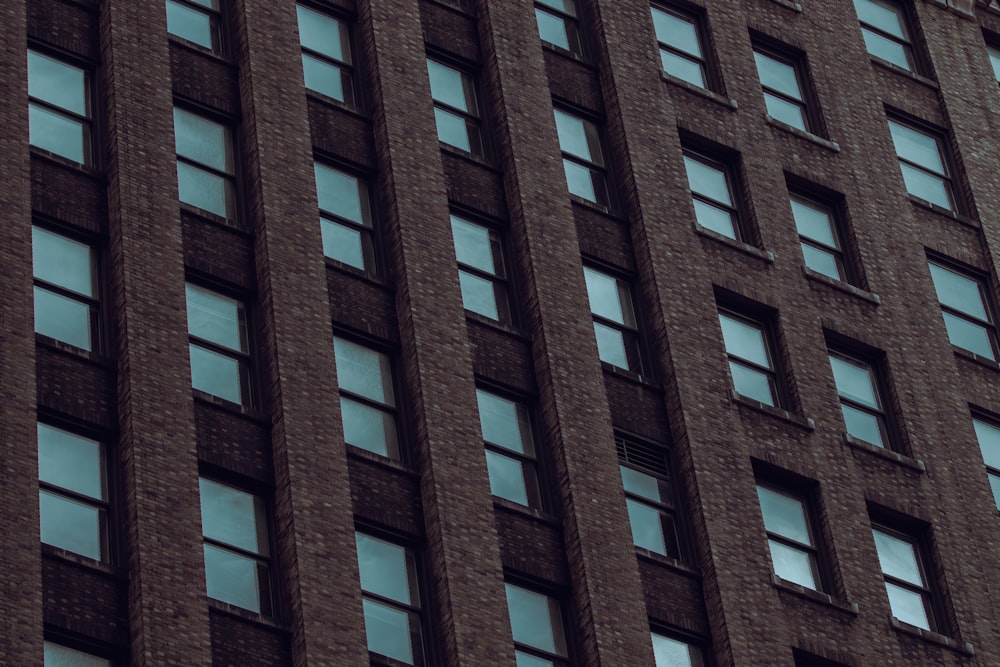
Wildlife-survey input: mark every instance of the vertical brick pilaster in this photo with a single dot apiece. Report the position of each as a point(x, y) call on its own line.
point(20, 558)
point(462, 544)
point(312, 501)
point(167, 604)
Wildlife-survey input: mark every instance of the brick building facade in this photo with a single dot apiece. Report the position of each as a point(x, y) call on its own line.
point(491, 332)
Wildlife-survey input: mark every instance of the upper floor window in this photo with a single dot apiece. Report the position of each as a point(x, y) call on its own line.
point(57, 655)
point(988, 435)
point(456, 109)
point(886, 30)
point(558, 24)
point(782, 78)
point(922, 160)
point(196, 21)
point(862, 399)
point(236, 545)
point(510, 449)
point(326, 55)
point(367, 399)
point(967, 310)
point(790, 536)
point(537, 625)
point(481, 272)
point(903, 562)
point(391, 599)
point(219, 348)
point(713, 195)
point(65, 289)
point(680, 38)
point(648, 496)
point(614, 320)
point(59, 113)
point(820, 237)
point(345, 217)
point(994, 53)
point(751, 357)
point(672, 652)
point(73, 493)
point(583, 158)
point(206, 168)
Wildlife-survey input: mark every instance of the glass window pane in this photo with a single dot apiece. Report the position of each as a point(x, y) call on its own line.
point(793, 565)
point(683, 68)
point(744, 340)
point(604, 294)
point(564, 6)
point(323, 77)
point(363, 371)
point(62, 261)
point(814, 222)
point(369, 428)
point(717, 219)
point(917, 147)
point(679, 32)
point(342, 243)
point(863, 425)
point(341, 194)
point(958, 291)
point(385, 569)
point(388, 631)
point(994, 54)
point(898, 558)
point(611, 346)
point(573, 138)
point(969, 336)
point(882, 47)
point(580, 181)
point(473, 245)
point(448, 86)
point(205, 190)
point(190, 24)
point(647, 526)
point(924, 185)
point(58, 83)
point(63, 318)
point(988, 436)
point(232, 577)
point(908, 606)
point(670, 652)
point(785, 111)
point(995, 487)
point(784, 515)
point(641, 484)
point(854, 381)
point(504, 423)
point(59, 134)
point(525, 660)
point(71, 462)
point(508, 478)
point(216, 374)
point(752, 383)
point(822, 261)
point(71, 525)
point(216, 318)
point(777, 75)
point(321, 33)
point(232, 516)
point(707, 180)
point(881, 15)
point(202, 140)
point(452, 129)
point(552, 29)
point(535, 620)
point(479, 295)
point(61, 656)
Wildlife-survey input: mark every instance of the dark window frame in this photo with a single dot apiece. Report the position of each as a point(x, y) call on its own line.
point(992, 472)
point(573, 32)
point(535, 461)
point(808, 102)
point(631, 450)
point(546, 590)
point(215, 22)
point(593, 128)
point(876, 363)
point(908, 43)
point(371, 248)
point(698, 18)
point(500, 249)
point(917, 535)
point(805, 495)
point(636, 354)
point(986, 292)
point(728, 163)
point(89, 122)
point(834, 204)
point(475, 118)
point(696, 642)
point(236, 217)
point(250, 394)
point(766, 321)
point(949, 178)
point(355, 102)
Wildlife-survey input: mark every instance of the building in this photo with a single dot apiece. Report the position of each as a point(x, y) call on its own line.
point(481, 332)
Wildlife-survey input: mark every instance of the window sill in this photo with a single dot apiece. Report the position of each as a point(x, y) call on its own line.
point(199, 49)
point(797, 420)
point(666, 561)
point(454, 151)
point(246, 615)
point(594, 206)
point(980, 360)
point(804, 134)
point(814, 595)
point(569, 55)
point(334, 103)
point(379, 660)
point(55, 345)
point(82, 561)
point(919, 78)
point(888, 454)
point(212, 218)
point(354, 272)
point(625, 374)
point(794, 6)
point(383, 461)
point(841, 285)
point(746, 248)
point(532, 513)
point(940, 210)
point(229, 406)
point(497, 326)
point(65, 162)
point(458, 8)
point(727, 102)
point(965, 648)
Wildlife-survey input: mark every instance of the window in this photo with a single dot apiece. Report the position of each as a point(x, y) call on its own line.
point(648, 496)
point(196, 21)
point(237, 555)
point(862, 402)
point(751, 357)
point(790, 536)
point(806, 659)
point(345, 218)
point(558, 24)
point(901, 558)
point(583, 159)
point(59, 113)
point(455, 107)
point(614, 320)
point(220, 358)
point(510, 449)
point(205, 165)
point(713, 195)
point(326, 55)
point(885, 28)
point(536, 622)
point(966, 309)
point(782, 79)
point(682, 54)
point(820, 237)
point(921, 159)
point(481, 272)
point(988, 435)
point(994, 54)
point(672, 652)
point(57, 655)
point(73, 492)
point(391, 599)
point(65, 289)
point(367, 401)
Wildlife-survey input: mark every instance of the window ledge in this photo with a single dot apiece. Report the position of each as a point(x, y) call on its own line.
point(354, 272)
point(455, 7)
point(594, 206)
point(199, 49)
point(727, 102)
point(623, 373)
point(383, 461)
point(246, 615)
point(841, 285)
point(666, 561)
point(55, 345)
point(975, 358)
point(753, 251)
point(888, 454)
point(82, 561)
point(797, 420)
point(934, 637)
point(55, 158)
point(794, 6)
point(208, 216)
point(532, 513)
point(507, 329)
point(229, 406)
point(454, 151)
point(569, 55)
point(804, 134)
point(334, 103)
point(814, 595)
point(940, 210)
point(919, 78)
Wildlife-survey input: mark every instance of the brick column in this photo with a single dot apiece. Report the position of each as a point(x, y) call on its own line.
point(462, 544)
point(20, 558)
point(167, 603)
point(316, 548)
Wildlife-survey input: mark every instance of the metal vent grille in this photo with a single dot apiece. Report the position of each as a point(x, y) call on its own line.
point(642, 455)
